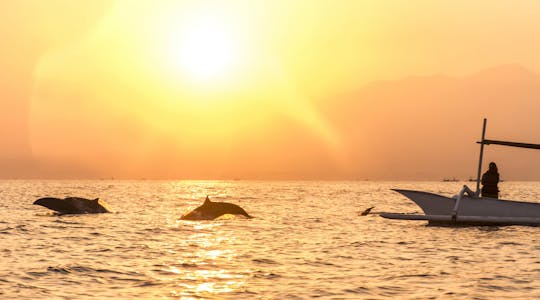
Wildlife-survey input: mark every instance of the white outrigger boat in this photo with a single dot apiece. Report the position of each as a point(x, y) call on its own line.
point(468, 208)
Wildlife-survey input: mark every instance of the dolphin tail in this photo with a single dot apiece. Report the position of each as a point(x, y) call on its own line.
point(366, 212)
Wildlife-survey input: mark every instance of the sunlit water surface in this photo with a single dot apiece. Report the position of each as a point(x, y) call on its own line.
point(305, 241)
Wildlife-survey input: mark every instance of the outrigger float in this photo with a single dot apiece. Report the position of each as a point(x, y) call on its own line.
point(468, 208)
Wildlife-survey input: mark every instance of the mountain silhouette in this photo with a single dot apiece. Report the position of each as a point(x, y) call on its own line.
point(419, 126)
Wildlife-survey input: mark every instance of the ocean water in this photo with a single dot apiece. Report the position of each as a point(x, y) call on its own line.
point(306, 241)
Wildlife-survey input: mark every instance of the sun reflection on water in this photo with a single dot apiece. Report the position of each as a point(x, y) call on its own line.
point(203, 268)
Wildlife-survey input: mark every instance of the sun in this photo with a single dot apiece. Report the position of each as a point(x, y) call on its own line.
point(205, 49)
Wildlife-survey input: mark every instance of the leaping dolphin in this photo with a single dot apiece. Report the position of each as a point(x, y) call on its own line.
point(74, 205)
point(210, 210)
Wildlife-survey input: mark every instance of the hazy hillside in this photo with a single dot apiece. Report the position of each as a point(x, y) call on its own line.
point(434, 121)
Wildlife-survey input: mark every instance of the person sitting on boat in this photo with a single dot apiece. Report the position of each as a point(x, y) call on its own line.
point(490, 179)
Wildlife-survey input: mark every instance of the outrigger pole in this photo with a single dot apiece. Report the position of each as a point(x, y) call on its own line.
point(511, 144)
point(482, 142)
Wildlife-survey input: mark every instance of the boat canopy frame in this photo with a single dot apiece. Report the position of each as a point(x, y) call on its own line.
point(485, 141)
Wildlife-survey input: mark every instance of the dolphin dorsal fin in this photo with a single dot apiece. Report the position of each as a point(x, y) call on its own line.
point(207, 200)
point(97, 199)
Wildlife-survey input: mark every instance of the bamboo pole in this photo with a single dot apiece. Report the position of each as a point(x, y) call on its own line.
point(480, 160)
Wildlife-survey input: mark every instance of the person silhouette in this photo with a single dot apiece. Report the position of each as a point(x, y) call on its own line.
point(490, 179)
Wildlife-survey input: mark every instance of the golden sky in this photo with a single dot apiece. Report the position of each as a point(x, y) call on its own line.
point(265, 89)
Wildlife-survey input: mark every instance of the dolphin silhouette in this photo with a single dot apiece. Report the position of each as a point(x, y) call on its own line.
point(366, 212)
point(73, 205)
point(210, 210)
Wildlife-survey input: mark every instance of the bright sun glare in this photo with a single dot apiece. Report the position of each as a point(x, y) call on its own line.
point(205, 49)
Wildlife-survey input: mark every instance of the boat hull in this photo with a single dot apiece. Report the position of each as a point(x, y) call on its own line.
point(440, 209)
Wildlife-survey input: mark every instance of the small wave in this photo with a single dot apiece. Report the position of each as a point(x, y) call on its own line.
point(319, 293)
point(411, 276)
point(245, 198)
point(46, 214)
point(443, 273)
point(264, 261)
point(26, 286)
point(84, 269)
point(165, 272)
point(98, 250)
point(492, 287)
point(361, 244)
point(149, 283)
point(502, 277)
point(61, 270)
point(6, 230)
point(321, 262)
point(358, 290)
point(404, 243)
point(77, 238)
point(266, 275)
point(510, 244)
point(402, 258)
point(63, 227)
point(242, 293)
point(189, 265)
point(391, 290)
point(154, 230)
point(9, 229)
point(61, 221)
point(165, 269)
point(36, 273)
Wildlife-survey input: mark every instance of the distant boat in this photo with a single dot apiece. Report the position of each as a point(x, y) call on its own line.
point(474, 180)
point(467, 207)
point(453, 179)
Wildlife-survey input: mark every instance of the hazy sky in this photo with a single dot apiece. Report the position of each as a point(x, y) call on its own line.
point(266, 89)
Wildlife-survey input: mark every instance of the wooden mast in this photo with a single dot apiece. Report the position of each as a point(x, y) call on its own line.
point(480, 160)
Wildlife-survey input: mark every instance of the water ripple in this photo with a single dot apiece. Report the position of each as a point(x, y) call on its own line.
point(306, 242)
